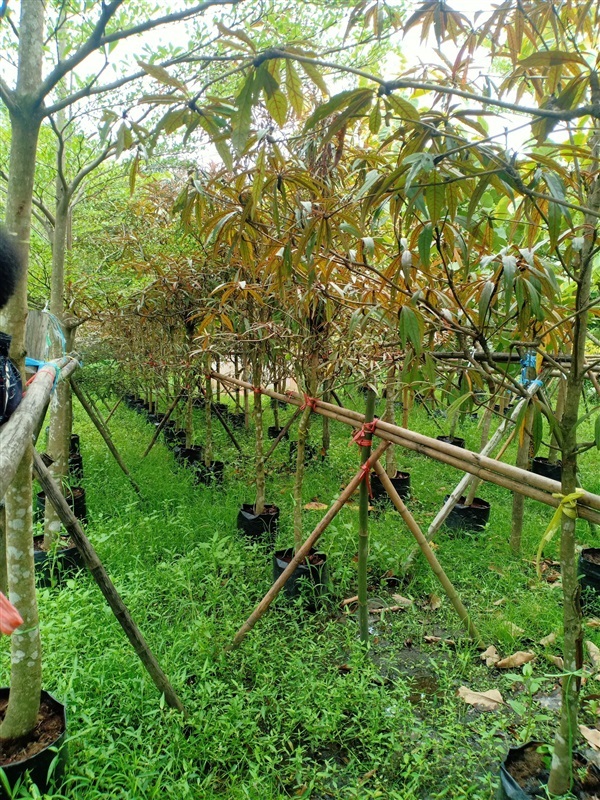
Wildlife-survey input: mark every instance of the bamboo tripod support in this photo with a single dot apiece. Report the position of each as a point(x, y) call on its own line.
point(303, 551)
point(95, 566)
point(527, 483)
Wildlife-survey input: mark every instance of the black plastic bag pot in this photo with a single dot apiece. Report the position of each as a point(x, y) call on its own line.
point(38, 765)
point(11, 388)
point(589, 568)
point(237, 419)
point(189, 456)
point(55, 566)
point(310, 452)
point(532, 770)
point(212, 474)
point(542, 466)
point(468, 518)
point(222, 408)
point(273, 432)
point(455, 440)
point(129, 400)
point(308, 580)
point(401, 483)
point(76, 466)
point(75, 498)
point(74, 444)
point(258, 527)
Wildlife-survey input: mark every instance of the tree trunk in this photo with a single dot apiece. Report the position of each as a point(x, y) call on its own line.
point(208, 437)
point(259, 505)
point(363, 530)
point(391, 462)
point(26, 664)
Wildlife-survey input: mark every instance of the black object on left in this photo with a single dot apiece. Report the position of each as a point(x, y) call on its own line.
point(11, 388)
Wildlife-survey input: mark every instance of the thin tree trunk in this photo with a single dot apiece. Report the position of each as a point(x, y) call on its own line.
point(518, 506)
point(259, 505)
point(363, 528)
point(391, 462)
point(208, 434)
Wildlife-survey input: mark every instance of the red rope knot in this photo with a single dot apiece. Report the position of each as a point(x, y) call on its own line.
point(257, 390)
point(360, 437)
point(366, 476)
point(309, 402)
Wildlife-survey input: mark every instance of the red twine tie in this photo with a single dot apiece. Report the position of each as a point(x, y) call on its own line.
point(257, 390)
point(309, 402)
point(366, 476)
point(360, 437)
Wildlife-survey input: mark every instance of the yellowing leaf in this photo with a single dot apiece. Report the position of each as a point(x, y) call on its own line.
point(161, 74)
point(404, 109)
point(315, 506)
point(293, 86)
point(515, 660)
point(594, 654)
point(591, 735)
point(551, 58)
point(277, 106)
point(483, 701)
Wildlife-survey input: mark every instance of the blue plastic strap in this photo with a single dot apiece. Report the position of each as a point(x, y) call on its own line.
point(57, 330)
point(33, 362)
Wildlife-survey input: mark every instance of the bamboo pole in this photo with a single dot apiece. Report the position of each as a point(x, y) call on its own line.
point(518, 505)
point(104, 433)
point(114, 408)
point(304, 550)
point(535, 486)
point(283, 431)
point(163, 422)
point(95, 566)
point(425, 547)
point(17, 433)
point(363, 525)
point(221, 419)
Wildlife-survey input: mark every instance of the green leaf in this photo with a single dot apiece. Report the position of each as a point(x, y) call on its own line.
point(403, 108)
point(293, 86)
point(277, 107)
point(537, 428)
point(160, 74)
point(315, 76)
point(409, 328)
point(552, 58)
point(554, 222)
point(508, 276)
point(336, 103)
point(242, 117)
point(435, 196)
point(259, 177)
point(424, 245)
point(375, 118)
point(133, 171)
point(484, 300)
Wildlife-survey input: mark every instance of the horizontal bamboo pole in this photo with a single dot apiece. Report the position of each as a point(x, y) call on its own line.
point(100, 575)
point(18, 432)
point(531, 485)
point(303, 551)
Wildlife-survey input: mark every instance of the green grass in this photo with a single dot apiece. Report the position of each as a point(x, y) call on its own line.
point(278, 718)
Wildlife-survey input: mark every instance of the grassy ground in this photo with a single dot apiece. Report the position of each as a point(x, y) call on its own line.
point(300, 710)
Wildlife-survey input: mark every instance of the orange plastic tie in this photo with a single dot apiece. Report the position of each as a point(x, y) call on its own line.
point(360, 437)
point(309, 402)
point(366, 476)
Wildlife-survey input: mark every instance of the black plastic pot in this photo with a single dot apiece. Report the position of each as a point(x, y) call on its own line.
point(190, 456)
point(273, 432)
point(455, 440)
point(542, 466)
point(37, 766)
point(52, 568)
point(74, 444)
point(509, 789)
point(237, 419)
point(198, 402)
point(75, 497)
point(76, 466)
point(176, 439)
point(468, 518)
point(223, 408)
point(310, 452)
point(212, 474)
point(308, 580)
point(258, 527)
point(401, 483)
point(589, 568)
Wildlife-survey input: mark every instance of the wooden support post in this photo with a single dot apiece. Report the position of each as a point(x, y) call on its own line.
point(425, 547)
point(302, 552)
point(105, 434)
point(363, 524)
point(114, 408)
point(163, 422)
point(283, 431)
point(94, 565)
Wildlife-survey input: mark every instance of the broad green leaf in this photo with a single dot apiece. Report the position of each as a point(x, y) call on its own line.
point(277, 107)
point(508, 276)
point(554, 222)
point(242, 117)
point(476, 196)
point(537, 428)
point(336, 103)
point(484, 300)
point(409, 328)
point(403, 108)
point(293, 86)
point(160, 74)
point(315, 76)
point(133, 171)
point(435, 195)
point(259, 177)
point(375, 118)
point(552, 58)
point(424, 245)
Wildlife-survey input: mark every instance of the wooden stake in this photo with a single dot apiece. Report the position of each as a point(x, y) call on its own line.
point(104, 433)
point(429, 555)
point(303, 551)
point(94, 565)
point(114, 408)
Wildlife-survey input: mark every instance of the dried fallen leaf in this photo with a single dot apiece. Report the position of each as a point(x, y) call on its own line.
point(349, 600)
point(557, 661)
point(514, 630)
point(548, 640)
point(499, 602)
point(591, 735)
point(385, 609)
point(433, 603)
point(483, 701)
point(316, 506)
point(438, 639)
point(594, 654)
point(515, 660)
point(593, 622)
point(402, 601)
point(490, 656)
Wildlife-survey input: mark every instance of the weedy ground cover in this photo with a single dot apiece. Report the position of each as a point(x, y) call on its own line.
point(301, 709)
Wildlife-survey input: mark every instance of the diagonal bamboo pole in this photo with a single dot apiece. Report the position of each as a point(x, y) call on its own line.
point(104, 433)
point(113, 409)
point(221, 419)
point(425, 547)
point(163, 422)
point(95, 566)
point(304, 550)
point(283, 432)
